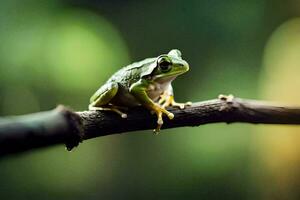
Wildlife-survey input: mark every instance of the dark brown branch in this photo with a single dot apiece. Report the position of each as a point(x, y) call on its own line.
point(18, 134)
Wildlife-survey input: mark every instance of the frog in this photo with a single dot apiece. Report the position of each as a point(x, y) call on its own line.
point(146, 83)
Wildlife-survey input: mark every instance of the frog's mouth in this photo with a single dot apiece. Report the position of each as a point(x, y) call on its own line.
point(168, 77)
point(164, 79)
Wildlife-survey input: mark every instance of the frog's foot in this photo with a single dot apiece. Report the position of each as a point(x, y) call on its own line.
point(159, 111)
point(168, 100)
point(109, 108)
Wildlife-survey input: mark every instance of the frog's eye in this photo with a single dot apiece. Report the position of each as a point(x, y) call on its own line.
point(164, 64)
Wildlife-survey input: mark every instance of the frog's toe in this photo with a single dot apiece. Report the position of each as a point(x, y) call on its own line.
point(160, 121)
point(181, 105)
point(157, 129)
point(189, 103)
point(171, 116)
point(166, 104)
point(159, 118)
point(228, 98)
point(116, 110)
point(110, 108)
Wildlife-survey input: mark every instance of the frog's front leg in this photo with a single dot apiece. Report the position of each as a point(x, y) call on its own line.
point(139, 90)
point(101, 99)
point(167, 99)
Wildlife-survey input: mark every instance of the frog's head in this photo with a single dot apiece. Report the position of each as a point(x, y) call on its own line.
point(168, 66)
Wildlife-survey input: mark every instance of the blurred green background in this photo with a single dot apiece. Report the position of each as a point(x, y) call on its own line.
point(60, 51)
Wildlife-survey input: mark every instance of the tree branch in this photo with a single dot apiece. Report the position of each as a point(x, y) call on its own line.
point(18, 134)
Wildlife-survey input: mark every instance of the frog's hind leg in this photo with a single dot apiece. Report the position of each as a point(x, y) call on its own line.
point(101, 99)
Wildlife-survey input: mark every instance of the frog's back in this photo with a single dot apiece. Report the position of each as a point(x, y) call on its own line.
point(124, 78)
point(130, 73)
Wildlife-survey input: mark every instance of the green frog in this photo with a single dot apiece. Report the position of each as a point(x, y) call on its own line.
point(146, 83)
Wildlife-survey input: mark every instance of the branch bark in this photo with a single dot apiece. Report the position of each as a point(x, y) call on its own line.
point(19, 134)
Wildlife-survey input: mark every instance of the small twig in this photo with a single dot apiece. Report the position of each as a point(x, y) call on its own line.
point(18, 134)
